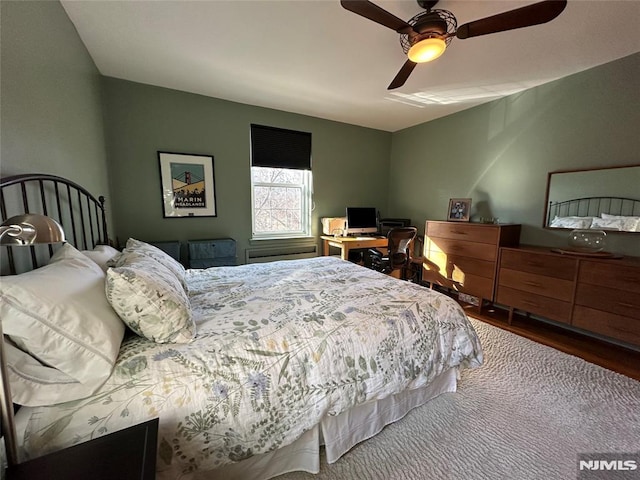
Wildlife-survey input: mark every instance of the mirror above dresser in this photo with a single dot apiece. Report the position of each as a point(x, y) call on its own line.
point(603, 199)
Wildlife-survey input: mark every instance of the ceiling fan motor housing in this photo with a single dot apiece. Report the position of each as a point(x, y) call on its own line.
point(427, 4)
point(435, 23)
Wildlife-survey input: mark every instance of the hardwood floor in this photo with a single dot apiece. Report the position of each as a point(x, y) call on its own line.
point(613, 357)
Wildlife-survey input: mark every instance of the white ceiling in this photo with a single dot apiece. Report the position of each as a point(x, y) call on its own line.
point(315, 58)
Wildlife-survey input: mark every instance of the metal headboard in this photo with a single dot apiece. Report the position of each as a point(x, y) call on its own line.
point(593, 207)
point(81, 215)
point(84, 221)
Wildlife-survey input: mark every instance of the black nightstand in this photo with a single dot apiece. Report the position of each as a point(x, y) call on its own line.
point(128, 454)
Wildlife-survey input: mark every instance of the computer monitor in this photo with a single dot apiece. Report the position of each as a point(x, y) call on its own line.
point(361, 220)
point(385, 225)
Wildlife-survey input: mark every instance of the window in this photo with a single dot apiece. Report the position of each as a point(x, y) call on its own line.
point(281, 183)
point(281, 202)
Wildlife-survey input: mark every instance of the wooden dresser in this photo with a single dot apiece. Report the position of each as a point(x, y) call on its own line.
point(464, 256)
point(595, 294)
point(537, 281)
point(608, 298)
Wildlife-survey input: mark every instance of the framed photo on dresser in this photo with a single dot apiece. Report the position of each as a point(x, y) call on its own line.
point(459, 210)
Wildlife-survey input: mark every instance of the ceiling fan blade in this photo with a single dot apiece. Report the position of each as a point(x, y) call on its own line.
point(402, 75)
point(534, 14)
point(377, 14)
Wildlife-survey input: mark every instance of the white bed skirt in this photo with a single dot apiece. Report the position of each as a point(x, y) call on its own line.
point(338, 434)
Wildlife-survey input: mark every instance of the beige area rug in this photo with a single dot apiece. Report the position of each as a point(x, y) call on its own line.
point(527, 413)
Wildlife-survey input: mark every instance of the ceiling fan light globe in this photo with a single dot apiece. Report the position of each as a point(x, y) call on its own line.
point(426, 50)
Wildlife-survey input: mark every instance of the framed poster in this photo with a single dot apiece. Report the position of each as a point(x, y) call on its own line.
point(459, 209)
point(188, 185)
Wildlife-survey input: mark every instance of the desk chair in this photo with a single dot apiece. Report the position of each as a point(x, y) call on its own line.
point(398, 257)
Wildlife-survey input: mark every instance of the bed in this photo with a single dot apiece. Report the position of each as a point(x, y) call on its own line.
point(251, 370)
point(597, 213)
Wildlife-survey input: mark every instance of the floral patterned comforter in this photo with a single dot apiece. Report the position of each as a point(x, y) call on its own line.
point(278, 347)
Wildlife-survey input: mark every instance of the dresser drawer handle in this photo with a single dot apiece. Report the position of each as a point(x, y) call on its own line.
point(458, 232)
point(532, 284)
point(533, 304)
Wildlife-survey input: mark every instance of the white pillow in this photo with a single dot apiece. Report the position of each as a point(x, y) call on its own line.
point(628, 223)
point(60, 316)
point(150, 299)
point(571, 222)
point(35, 384)
point(102, 254)
point(607, 224)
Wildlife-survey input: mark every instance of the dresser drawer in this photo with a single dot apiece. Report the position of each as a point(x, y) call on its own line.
point(466, 283)
point(456, 267)
point(483, 251)
point(454, 231)
point(609, 324)
point(539, 264)
point(537, 284)
point(537, 304)
point(608, 299)
point(612, 274)
point(477, 286)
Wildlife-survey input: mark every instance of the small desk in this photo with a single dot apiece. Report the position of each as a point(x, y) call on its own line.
point(347, 243)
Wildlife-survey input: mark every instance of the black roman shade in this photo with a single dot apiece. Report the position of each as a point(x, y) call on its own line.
point(280, 148)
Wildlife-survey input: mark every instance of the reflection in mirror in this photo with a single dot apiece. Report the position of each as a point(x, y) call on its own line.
point(604, 199)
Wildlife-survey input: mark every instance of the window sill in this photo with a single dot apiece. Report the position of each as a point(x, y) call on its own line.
point(263, 240)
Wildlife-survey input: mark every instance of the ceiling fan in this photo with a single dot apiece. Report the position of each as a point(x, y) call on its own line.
point(426, 36)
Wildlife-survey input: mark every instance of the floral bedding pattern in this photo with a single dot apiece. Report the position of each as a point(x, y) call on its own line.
point(278, 347)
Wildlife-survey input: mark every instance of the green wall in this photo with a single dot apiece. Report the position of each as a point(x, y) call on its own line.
point(499, 153)
point(350, 164)
point(53, 121)
point(51, 105)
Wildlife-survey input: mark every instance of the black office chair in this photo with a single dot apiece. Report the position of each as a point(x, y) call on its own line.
point(398, 257)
